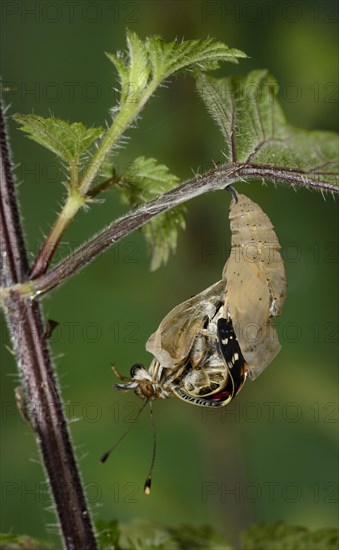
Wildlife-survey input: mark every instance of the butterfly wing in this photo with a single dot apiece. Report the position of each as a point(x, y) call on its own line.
point(173, 340)
point(230, 350)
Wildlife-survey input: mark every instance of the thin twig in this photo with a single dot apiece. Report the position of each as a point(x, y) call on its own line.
point(217, 178)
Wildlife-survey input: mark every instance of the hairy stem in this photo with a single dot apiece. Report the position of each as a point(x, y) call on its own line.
point(128, 112)
point(71, 207)
point(122, 227)
point(215, 179)
point(37, 373)
point(80, 190)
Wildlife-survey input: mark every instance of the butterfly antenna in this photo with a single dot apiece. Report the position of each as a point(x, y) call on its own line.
point(233, 192)
point(107, 453)
point(147, 486)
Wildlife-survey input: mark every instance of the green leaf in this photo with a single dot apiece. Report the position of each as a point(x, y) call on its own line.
point(133, 68)
point(138, 62)
point(141, 534)
point(143, 181)
point(280, 536)
point(162, 234)
point(141, 69)
point(148, 63)
point(23, 542)
point(198, 538)
point(108, 534)
point(120, 62)
point(146, 535)
point(67, 141)
point(166, 58)
point(252, 121)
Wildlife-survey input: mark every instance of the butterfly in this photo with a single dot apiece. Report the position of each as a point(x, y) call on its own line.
point(197, 357)
point(206, 346)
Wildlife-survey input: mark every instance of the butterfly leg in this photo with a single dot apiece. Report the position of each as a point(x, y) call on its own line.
point(119, 376)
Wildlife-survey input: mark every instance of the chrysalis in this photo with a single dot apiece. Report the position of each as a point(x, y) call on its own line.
point(204, 348)
point(256, 283)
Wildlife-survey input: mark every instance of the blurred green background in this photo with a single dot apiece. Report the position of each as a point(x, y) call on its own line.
point(272, 454)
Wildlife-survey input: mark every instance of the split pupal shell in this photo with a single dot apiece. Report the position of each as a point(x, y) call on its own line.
point(256, 283)
point(174, 338)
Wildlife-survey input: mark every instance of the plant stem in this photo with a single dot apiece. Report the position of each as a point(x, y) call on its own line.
point(128, 112)
point(37, 372)
point(73, 203)
point(122, 227)
point(217, 178)
point(78, 191)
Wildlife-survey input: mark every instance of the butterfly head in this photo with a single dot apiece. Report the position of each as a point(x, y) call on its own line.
point(142, 381)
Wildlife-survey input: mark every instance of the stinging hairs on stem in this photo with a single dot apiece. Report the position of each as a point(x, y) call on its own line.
point(147, 486)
